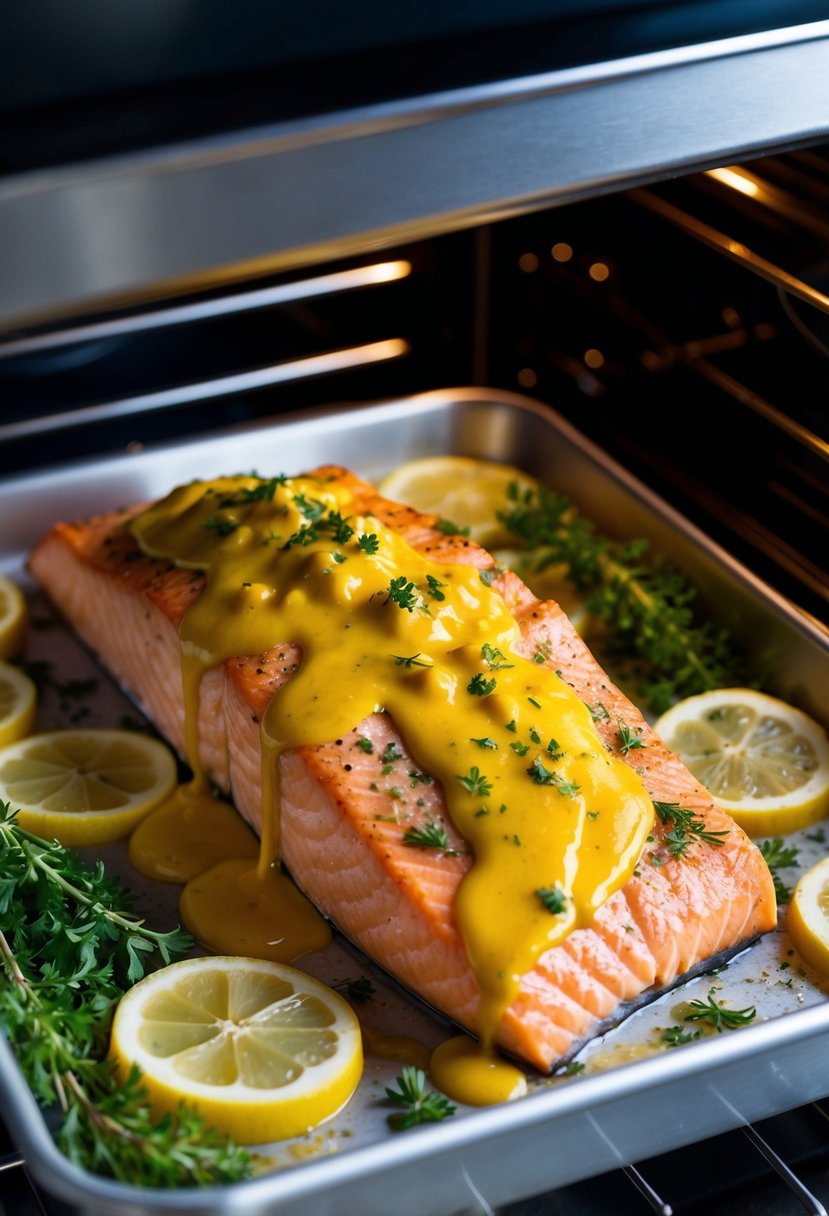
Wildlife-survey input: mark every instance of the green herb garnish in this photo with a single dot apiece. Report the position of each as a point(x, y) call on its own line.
point(719, 1016)
point(412, 660)
point(629, 740)
point(476, 783)
point(420, 1105)
point(480, 686)
point(368, 542)
point(403, 593)
point(686, 828)
point(494, 658)
point(553, 899)
point(431, 836)
point(359, 991)
point(675, 1036)
point(70, 947)
point(646, 604)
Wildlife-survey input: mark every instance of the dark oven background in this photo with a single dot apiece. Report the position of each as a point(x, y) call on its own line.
point(683, 327)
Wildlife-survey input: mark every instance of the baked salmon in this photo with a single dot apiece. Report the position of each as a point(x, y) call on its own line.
point(687, 904)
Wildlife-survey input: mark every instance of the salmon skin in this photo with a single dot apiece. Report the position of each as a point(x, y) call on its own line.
point(676, 916)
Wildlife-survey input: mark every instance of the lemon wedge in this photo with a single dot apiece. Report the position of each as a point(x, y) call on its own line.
point(764, 761)
point(85, 786)
point(263, 1051)
point(807, 917)
point(18, 703)
point(462, 489)
point(14, 618)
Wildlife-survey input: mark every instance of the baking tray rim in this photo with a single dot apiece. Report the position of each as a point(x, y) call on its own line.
point(72, 1183)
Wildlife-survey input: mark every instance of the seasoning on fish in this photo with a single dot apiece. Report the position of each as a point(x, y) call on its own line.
point(434, 755)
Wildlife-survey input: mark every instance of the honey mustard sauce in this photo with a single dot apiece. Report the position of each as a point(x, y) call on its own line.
point(554, 823)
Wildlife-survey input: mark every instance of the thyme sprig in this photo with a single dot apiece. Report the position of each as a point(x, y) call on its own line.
point(69, 949)
point(644, 604)
point(719, 1016)
point(687, 828)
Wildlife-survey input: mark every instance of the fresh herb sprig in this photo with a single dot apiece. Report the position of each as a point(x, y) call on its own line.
point(69, 948)
point(687, 828)
point(719, 1016)
point(645, 604)
point(420, 1105)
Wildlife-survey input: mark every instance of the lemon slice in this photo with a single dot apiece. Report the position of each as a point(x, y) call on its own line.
point(763, 761)
point(85, 786)
point(549, 583)
point(18, 703)
point(14, 618)
point(467, 491)
point(263, 1051)
point(807, 917)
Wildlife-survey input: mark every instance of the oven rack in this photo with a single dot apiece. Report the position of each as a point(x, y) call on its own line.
point(647, 325)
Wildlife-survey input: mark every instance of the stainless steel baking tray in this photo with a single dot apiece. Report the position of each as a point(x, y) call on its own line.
point(630, 1102)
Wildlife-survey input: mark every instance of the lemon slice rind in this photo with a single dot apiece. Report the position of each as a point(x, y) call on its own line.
point(85, 785)
point(14, 618)
point(807, 917)
point(18, 704)
point(466, 490)
point(262, 1050)
point(761, 759)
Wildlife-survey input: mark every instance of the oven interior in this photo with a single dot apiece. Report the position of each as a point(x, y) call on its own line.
point(684, 326)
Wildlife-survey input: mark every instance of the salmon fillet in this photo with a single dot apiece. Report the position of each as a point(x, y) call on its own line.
point(673, 917)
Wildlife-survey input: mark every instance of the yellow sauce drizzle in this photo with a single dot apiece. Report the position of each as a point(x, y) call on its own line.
point(555, 823)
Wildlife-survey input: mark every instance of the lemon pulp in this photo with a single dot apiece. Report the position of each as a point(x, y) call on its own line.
point(464, 490)
point(764, 761)
point(263, 1051)
point(85, 786)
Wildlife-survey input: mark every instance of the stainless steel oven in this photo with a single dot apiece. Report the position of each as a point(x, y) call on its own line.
point(619, 211)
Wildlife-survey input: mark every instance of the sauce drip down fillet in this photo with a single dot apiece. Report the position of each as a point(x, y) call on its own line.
point(433, 753)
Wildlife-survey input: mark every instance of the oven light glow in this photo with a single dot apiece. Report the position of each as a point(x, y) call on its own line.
point(528, 262)
point(561, 251)
point(527, 378)
point(730, 177)
point(599, 272)
point(593, 358)
point(386, 272)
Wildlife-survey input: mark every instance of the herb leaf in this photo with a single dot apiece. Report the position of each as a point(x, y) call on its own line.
point(419, 1104)
point(719, 1016)
point(687, 828)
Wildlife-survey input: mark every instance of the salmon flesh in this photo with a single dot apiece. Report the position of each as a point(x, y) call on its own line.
point(396, 903)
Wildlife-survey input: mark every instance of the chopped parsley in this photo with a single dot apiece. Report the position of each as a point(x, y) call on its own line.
point(403, 593)
point(480, 686)
point(494, 658)
point(368, 542)
point(553, 899)
point(476, 783)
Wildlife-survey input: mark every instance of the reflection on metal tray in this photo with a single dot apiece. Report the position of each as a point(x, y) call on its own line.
point(566, 1128)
